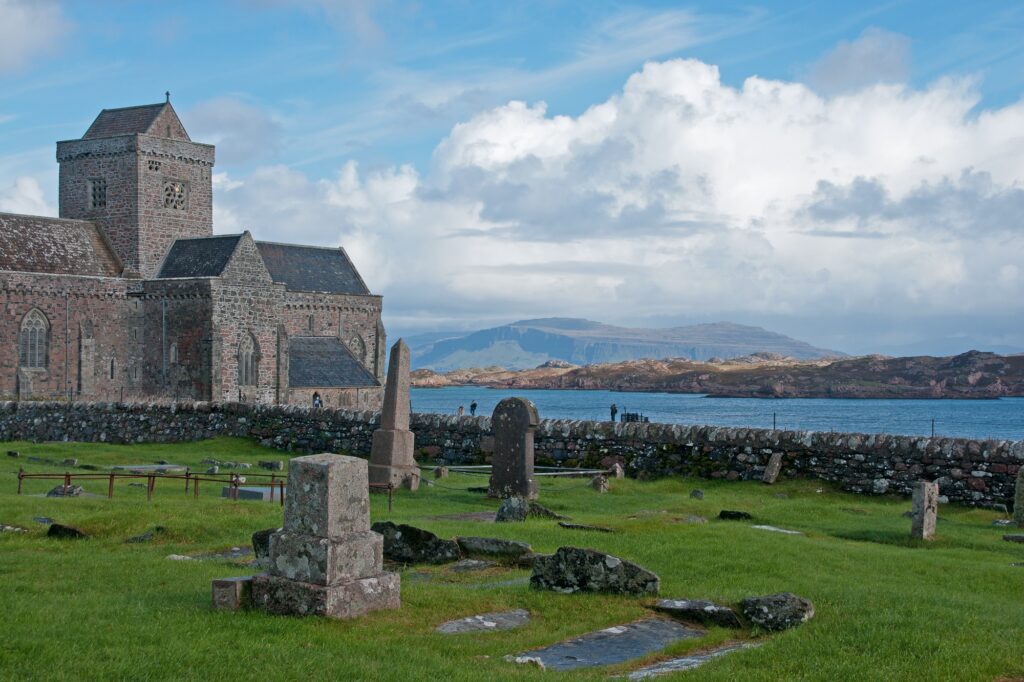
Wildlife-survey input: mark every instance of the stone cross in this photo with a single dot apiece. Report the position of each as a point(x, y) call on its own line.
point(326, 561)
point(513, 422)
point(391, 455)
point(926, 506)
point(1018, 500)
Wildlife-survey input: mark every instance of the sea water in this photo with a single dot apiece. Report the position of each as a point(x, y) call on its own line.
point(1000, 419)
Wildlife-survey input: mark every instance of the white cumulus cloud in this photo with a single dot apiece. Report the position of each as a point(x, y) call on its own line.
point(681, 195)
point(29, 28)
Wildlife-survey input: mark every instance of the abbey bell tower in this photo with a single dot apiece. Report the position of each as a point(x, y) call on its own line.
point(137, 173)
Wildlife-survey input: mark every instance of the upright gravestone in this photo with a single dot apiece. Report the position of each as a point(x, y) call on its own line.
point(513, 422)
point(771, 472)
point(926, 506)
point(1018, 500)
point(326, 561)
point(391, 455)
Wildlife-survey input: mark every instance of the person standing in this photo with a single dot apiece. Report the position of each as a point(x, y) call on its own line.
point(472, 409)
point(317, 401)
point(614, 411)
point(461, 411)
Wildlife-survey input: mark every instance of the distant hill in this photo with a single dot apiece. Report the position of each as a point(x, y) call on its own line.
point(529, 343)
point(766, 375)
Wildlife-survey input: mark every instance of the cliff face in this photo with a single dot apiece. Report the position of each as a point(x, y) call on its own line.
point(529, 343)
point(765, 375)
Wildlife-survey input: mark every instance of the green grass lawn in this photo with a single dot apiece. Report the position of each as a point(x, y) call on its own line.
point(887, 608)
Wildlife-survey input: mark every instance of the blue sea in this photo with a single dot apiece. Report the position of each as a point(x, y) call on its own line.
point(999, 419)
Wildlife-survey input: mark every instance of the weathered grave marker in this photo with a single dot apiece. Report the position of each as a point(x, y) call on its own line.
point(599, 483)
point(926, 506)
point(391, 455)
point(1018, 500)
point(513, 421)
point(771, 472)
point(326, 561)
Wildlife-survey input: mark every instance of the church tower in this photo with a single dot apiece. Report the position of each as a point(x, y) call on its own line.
point(138, 175)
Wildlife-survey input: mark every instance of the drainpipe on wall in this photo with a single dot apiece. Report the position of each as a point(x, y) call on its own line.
point(163, 340)
point(67, 345)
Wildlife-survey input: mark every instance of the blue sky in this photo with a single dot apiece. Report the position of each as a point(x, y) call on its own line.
point(396, 126)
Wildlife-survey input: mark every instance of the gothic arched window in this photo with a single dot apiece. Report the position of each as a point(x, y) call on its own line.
point(358, 347)
point(248, 361)
point(33, 341)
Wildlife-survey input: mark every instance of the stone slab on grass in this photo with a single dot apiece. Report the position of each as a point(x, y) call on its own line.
point(1014, 538)
point(699, 611)
point(486, 622)
point(492, 548)
point(470, 565)
point(610, 645)
point(573, 569)
point(686, 662)
point(773, 529)
point(259, 493)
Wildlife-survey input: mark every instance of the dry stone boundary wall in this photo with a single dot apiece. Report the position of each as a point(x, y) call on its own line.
point(971, 472)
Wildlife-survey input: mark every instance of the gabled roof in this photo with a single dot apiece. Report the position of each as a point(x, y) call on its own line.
point(55, 246)
point(324, 362)
point(311, 268)
point(199, 257)
point(137, 120)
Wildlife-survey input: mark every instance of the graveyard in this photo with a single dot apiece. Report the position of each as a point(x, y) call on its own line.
point(133, 599)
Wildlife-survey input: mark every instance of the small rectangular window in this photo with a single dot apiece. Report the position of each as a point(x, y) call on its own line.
point(97, 193)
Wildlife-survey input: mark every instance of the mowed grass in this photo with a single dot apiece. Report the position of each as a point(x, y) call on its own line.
point(887, 608)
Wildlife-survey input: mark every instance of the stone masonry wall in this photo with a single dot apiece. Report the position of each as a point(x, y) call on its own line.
point(978, 473)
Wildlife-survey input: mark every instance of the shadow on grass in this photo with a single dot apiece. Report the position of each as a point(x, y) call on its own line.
point(883, 537)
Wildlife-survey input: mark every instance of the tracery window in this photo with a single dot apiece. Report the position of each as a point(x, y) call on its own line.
point(248, 361)
point(97, 193)
point(33, 341)
point(176, 195)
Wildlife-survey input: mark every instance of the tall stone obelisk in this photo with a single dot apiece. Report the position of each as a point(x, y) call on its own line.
point(391, 456)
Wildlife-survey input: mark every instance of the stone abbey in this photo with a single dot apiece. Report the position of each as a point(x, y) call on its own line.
point(128, 295)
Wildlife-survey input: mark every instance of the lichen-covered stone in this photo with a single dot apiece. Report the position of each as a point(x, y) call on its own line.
point(345, 600)
point(1018, 503)
point(324, 561)
point(699, 611)
point(512, 509)
point(777, 611)
point(493, 548)
point(328, 496)
point(261, 544)
point(572, 569)
point(410, 545)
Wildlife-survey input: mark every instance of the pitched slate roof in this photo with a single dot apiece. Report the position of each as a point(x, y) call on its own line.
point(324, 362)
point(124, 121)
point(55, 246)
point(310, 268)
point(200, 257)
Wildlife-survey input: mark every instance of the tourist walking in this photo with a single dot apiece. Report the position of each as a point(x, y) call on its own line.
point(472, 409)
point(614, 411)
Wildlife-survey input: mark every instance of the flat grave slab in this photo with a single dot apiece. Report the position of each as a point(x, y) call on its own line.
point(686, 662)
point(151, 468)
point(486, 622)
point(610, 645)
point(773, 529)
point(254, 492)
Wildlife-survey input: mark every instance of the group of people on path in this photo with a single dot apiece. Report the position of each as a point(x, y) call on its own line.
point(462, 410)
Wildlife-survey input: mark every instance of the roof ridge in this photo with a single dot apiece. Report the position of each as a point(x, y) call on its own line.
point(49, 217)
point(136, 106)
point(303, 246)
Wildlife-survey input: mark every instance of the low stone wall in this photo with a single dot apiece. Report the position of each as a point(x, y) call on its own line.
point(969, 472)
